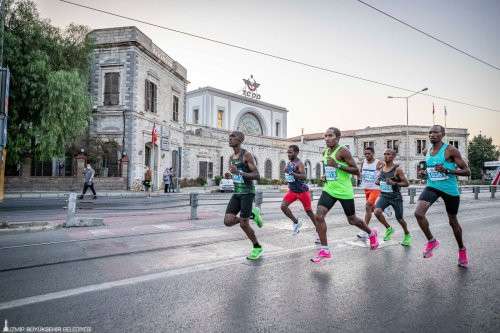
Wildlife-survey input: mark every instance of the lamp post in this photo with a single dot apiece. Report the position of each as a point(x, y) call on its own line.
point(407, 126)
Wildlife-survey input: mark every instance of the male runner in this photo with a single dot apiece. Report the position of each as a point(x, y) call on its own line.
point(339, 167)
point(444, 164)
point(295, 174)
point(370, 169)
point(391, 179)
point(243, 169)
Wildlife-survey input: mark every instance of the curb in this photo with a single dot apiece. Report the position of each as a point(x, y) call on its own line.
point(20, 227)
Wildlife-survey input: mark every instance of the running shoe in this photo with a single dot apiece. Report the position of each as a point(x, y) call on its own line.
point(373, 239)
point(296, 227)
point(257, 217)
point(362, 236)
point(255, 253)
point(388, 234)
point(431, 246)
point(322, 255)
point(406, 240)
point(462, 258)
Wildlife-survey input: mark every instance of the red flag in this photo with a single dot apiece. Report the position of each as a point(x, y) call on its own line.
point(154, 134)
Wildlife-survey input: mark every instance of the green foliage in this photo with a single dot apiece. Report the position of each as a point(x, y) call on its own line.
point(217, 180)
point(49, 99)
point(481, 149)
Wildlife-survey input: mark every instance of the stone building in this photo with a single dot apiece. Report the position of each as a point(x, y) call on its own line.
point(381, 138)
point(136, 86)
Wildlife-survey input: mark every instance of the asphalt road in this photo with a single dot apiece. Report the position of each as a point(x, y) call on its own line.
point(147, 275)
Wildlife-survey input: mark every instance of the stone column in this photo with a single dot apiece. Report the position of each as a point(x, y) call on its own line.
point(80, 164)
point(26, 169)
point(124, 166)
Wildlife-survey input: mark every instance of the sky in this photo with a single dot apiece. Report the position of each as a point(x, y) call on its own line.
point(343, 35)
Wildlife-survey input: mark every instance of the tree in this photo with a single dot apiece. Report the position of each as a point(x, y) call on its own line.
point(49, 98)
point(481, 149)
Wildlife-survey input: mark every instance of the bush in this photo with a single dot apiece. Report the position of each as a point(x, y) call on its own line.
point(264, 181)
point(201, 181)
point(217, 180)
point(185, 182)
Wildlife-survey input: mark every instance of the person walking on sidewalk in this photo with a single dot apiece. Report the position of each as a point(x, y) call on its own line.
point(88, 178)
point(243, 170)
point(167, 179)
point(148, 176)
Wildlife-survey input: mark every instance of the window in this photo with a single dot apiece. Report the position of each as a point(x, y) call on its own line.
point(318, 170)
point(147, 155)
point(250, 124)
point(150, 96)
point(175, 109)
point(368, 144)
point(454, 143)
point(196, 116)
point(175, 162)
point(268, 169)
point(206, 170)
point(278, 129)
point(393, 144)
point(220, 118)
point(421, 146)
point(112, 88)
point(307, 167)
point(282, 169)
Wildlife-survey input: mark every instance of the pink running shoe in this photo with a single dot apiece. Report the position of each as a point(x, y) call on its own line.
point(462, 258)
point(431, 246)
point(322, 254)
point(374, 239)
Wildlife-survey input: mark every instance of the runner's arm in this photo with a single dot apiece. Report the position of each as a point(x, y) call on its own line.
point(352, 168)
point(403, 181)
point(463, 169)
point(254, 173)
point(302, 172)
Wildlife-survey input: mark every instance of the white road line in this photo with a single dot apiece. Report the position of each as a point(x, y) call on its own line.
point(171, 273)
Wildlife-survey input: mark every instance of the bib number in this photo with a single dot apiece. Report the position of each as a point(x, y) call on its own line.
point(289, 178)
point(238, 179)
point(436, 175)
point(369, 176)
point(384, 187)
point(330, 173)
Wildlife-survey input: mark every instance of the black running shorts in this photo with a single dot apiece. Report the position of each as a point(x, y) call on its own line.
point(395, 201)
point(451, 202)
point(327, 201)
point(241, 203)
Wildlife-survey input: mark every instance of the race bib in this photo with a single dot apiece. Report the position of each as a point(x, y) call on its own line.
point(289, 178)
point(384, 187)
point(369, 176)
point(330, 173)
point(238, 179)
point(436, 175)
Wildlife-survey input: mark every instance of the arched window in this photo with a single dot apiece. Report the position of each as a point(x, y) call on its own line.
point(318, 170)
point(147, 154)
point(250, 124)
point(282, 169)
point(268, 169)
point(307, 166)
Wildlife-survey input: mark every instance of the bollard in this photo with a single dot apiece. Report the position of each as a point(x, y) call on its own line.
point(475, 190)
point(412, 192)
point(258, 198)
point(70, 215)
point(493, 189)
point(193, 202)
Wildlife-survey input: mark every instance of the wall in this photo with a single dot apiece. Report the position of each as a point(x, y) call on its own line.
point(19, 184)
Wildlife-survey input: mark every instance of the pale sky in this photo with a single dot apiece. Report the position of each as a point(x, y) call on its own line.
point(340, 34)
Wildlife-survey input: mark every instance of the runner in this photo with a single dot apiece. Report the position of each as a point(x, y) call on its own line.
point(444, 163)
point(391, 179)
point(295, 174)
point(370, 169)
point(243, 170)
point(339, 167)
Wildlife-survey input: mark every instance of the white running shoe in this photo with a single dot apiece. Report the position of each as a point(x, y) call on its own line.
point(362, 236)
point(296, 227)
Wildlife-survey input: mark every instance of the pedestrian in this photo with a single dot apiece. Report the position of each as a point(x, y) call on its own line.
point(243, 170)
point(444, 163)
point(88, 179)
point(167, 179)
point(147, 180)
point(172, 178)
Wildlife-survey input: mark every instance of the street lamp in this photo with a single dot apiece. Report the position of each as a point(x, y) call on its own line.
point(407, 125)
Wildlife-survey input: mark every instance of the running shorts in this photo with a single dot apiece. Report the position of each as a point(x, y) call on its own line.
point(241, 203)
point(396, 203)
point(303, 197)
point(371, 196)
point(451, 202)
point(327, 201)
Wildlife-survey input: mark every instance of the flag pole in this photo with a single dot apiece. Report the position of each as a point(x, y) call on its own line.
point(433, 115)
